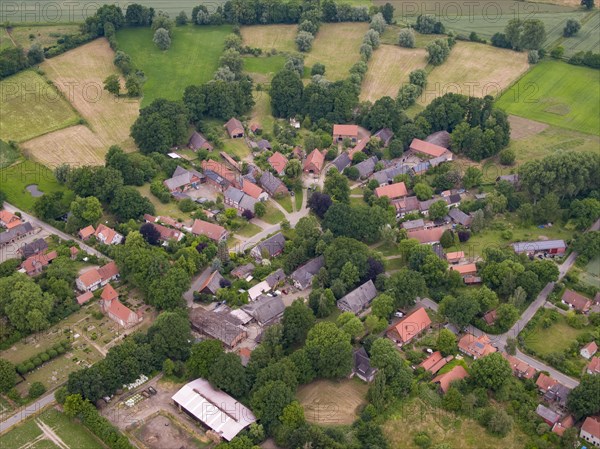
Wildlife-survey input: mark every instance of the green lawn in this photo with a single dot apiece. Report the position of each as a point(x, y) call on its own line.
point(8, 154)
point(248, 230)
point(394, 264)
point(299, 197)
point(286, 203)
point(169, 210)
point(273, 214)
point(559, 94)
point(556, 338)
point(266, 66)
point(29, 434)
point(15, 178)
point(591, 274)
point(192, 58)
point(32, 107)
point(236, 147)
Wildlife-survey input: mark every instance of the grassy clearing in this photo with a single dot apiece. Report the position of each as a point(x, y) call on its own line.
point(273, 214)
point(332, 403)
point(15, 178)
point(248, 230)
point(45, 35)
point(389, 69)
point(476, 70)
point(394, 264)
point(556, 338)
point(559, 94)
point(192, 58)
point(328, 49)
point(236, 147)
point(261, 113)
point(169, 210)
point(269, 37)
point(262, 69)
point(29, 434)
point(32, 107)
point(8, 154)
point(286, 203)
point(414, 416)
point(79, 74)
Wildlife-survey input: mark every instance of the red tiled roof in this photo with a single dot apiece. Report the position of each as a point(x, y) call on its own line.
point(169, 222)
point(86, 232)
point(119, 310)
point(108, 271)
point(469, 268)
point(576, 300)
point(566, 423)
point(476, 346)
point(167, 233)
point(427, 235)
point(109, 293)
point(435, 362)
point(150, 218)
point(13, 224)
point(85, 297)
point(456, 255)
point(392, 190)
point(249, 188)
point(591, 347)
point(545, 382)
point(90, 277)
point(106, 232)
point(73, 250)
point(591, 425)
point(456, 373)
point(345, 130)
point(316, 159)
point(430, 149)
point(278, 161)
point(490, 317)
point(211, 230)
point(38, 261)
point(594, 366)
point(411, 325)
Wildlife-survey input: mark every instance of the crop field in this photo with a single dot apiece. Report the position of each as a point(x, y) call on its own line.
point(332, 403)
point(16, 178)
point(414, 416)
point(269, 37)
point(31, 107)
point(389, 68)
point(45, 35)
point(588, 37)
point(559, 94)
point(50, 430)
point(336, 45)
point(476, 70)
point(80, 74)
point(192, 58)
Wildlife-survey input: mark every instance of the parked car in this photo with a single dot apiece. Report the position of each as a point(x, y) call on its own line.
point(152, 390)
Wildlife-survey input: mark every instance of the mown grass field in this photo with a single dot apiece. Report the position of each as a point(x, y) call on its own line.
point(261, 113)
point(80, 74)
point(476, 70)
point(413, 416)
point(269, 37)
point(15, 178)
point(192, 58)
point(273, 214)
point(31, 107)
point(262, 69)
point(559, 94)
point(65, 432)
point(556, 338)
point(389, 68)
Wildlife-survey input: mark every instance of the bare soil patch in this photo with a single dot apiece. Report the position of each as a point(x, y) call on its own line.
point(162, 432)
point(332, 403)
point(521, 127)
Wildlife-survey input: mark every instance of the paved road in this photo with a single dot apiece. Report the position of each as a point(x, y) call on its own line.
point(27, 411)
point(52, 230)
point(540, 366)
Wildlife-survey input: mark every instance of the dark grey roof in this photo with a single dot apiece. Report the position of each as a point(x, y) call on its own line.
point(362, 363)
point(387, 175)
point(303, 275)
point(248, 203)
point(440, 138)
point(214, 283)
point(413, 224)
point(270, 182)
point(233, 194)
point(263, 144)
point(275, 278)
point(17, 231)
point(422, 167)
point(540, 245)
point(458, 216)
point(180, 195)
point(385, 135)
point(274, 245)
point(454, 198)
point(342, 161)
point(34, 247)
point(425, 205)
point(197, 141)
point(358, 299)
point(367, 167)
point(509, 178)
point(243, 270)
point(181, 177)
point(222, 326)
point(215, 177)
point(438, 160)
point(547, 414)
point(266, 310)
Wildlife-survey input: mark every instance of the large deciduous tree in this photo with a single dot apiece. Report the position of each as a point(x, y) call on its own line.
point(160, 126)
point(491, 371)
point(330, 350)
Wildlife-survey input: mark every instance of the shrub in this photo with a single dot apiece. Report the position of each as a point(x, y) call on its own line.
point(36, 390)
point(52, 353)
point(44, 356)
point(187, 205)
point(557, 52)
point(572, 27)
point(36, 362)
point(22, 368)
point(406, 38)
point(507, 156)
point(304, 41)
point(533, 57)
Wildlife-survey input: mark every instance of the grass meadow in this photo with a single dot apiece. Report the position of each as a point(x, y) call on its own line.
point(269, 37)
point(8, 154)
point(558, 94)
point(32, 107)
point(45, 35)
point(63, 430)
point(556, 338)
point(192, 58)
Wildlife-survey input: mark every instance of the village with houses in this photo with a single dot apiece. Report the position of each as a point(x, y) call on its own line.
point(331, 274)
